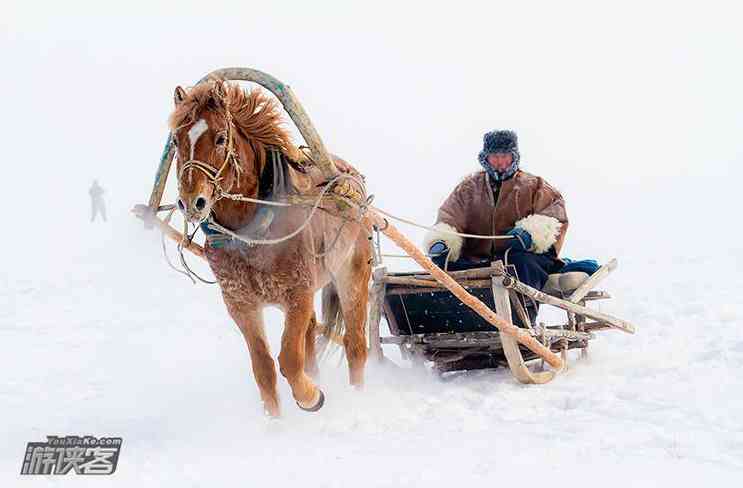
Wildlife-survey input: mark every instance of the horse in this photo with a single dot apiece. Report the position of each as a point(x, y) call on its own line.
point(234, 153)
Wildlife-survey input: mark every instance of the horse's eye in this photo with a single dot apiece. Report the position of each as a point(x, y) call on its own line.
point(220, 140)
point(174, 142)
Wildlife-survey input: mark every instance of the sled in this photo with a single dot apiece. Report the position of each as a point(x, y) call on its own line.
point(428, 323)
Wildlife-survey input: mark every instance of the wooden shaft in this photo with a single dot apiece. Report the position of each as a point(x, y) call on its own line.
point(173, 234)
point(145, 213)
point(521, 335)
point(539, 296)
point(161, 177)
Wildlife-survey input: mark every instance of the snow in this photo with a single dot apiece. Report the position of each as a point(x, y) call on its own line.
point(98, 336)
point(107, 340)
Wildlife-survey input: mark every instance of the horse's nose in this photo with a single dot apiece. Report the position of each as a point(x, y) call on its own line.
point(193, 207)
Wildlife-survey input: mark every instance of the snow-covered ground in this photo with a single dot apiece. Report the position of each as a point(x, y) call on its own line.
point(98, 336)
point(106, 340)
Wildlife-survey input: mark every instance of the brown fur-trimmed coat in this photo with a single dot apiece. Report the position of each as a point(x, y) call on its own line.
point(525, 201)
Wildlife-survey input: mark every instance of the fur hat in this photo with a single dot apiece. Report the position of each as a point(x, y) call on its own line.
point(500, 141)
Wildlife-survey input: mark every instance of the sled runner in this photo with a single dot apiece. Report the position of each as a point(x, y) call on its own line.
point(428, 323)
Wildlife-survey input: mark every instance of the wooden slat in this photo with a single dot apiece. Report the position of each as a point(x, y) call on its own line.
point(520, 310)
point(475, 273)
point(399, 280)
point(539, 296)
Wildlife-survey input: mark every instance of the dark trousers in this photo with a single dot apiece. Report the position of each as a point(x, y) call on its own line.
point(529, 268)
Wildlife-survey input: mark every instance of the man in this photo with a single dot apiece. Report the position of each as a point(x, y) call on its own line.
point(97, 205)
point(502, 200)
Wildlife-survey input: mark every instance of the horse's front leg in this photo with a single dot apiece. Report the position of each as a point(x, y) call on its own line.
point(292, 357)
point(310, 353)
point(250, 322)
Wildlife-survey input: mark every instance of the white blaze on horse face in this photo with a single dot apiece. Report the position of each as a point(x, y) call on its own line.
point(195, 132)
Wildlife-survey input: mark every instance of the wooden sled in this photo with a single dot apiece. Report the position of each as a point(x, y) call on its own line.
point(428, 323)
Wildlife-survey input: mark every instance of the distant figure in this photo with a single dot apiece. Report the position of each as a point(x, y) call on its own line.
point(97, 205)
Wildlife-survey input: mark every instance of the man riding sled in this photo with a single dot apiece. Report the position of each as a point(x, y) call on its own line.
point(504, 200)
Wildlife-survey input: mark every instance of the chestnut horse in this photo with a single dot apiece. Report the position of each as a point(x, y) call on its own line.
point(231, 144)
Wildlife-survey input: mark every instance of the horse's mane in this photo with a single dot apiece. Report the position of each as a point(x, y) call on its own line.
point(257, 116)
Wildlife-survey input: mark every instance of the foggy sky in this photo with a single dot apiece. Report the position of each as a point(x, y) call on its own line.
point(633, 109)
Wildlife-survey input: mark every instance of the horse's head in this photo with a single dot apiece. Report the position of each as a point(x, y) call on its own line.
point(221, 134)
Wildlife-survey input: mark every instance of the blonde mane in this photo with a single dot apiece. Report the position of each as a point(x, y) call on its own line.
point(256, 116)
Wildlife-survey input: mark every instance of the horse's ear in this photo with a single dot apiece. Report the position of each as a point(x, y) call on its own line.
point(179, 95)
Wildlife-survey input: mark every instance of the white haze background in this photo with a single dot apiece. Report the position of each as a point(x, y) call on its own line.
point(632, 109)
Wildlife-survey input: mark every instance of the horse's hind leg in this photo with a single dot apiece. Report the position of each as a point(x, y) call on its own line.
point(293, 348)
point(352, 285)
point(264, 369)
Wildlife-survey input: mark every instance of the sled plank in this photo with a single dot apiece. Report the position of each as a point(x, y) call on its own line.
point(539, 296)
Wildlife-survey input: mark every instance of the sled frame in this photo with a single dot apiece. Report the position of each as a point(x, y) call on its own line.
point(451, 351)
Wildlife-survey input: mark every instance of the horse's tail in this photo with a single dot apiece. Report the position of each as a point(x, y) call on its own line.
point(333, 326)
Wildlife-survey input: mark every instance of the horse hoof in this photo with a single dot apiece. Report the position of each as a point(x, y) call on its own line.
point(318, 405)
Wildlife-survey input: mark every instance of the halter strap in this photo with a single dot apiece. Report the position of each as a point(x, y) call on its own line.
point(212, 173)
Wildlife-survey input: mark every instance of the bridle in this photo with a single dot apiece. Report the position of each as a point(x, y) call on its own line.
point(216, 175)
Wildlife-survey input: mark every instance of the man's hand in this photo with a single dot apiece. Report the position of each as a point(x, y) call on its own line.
point(521, 239)
point(438, 248)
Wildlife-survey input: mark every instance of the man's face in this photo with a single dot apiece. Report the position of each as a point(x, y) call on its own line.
point(500, 161)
